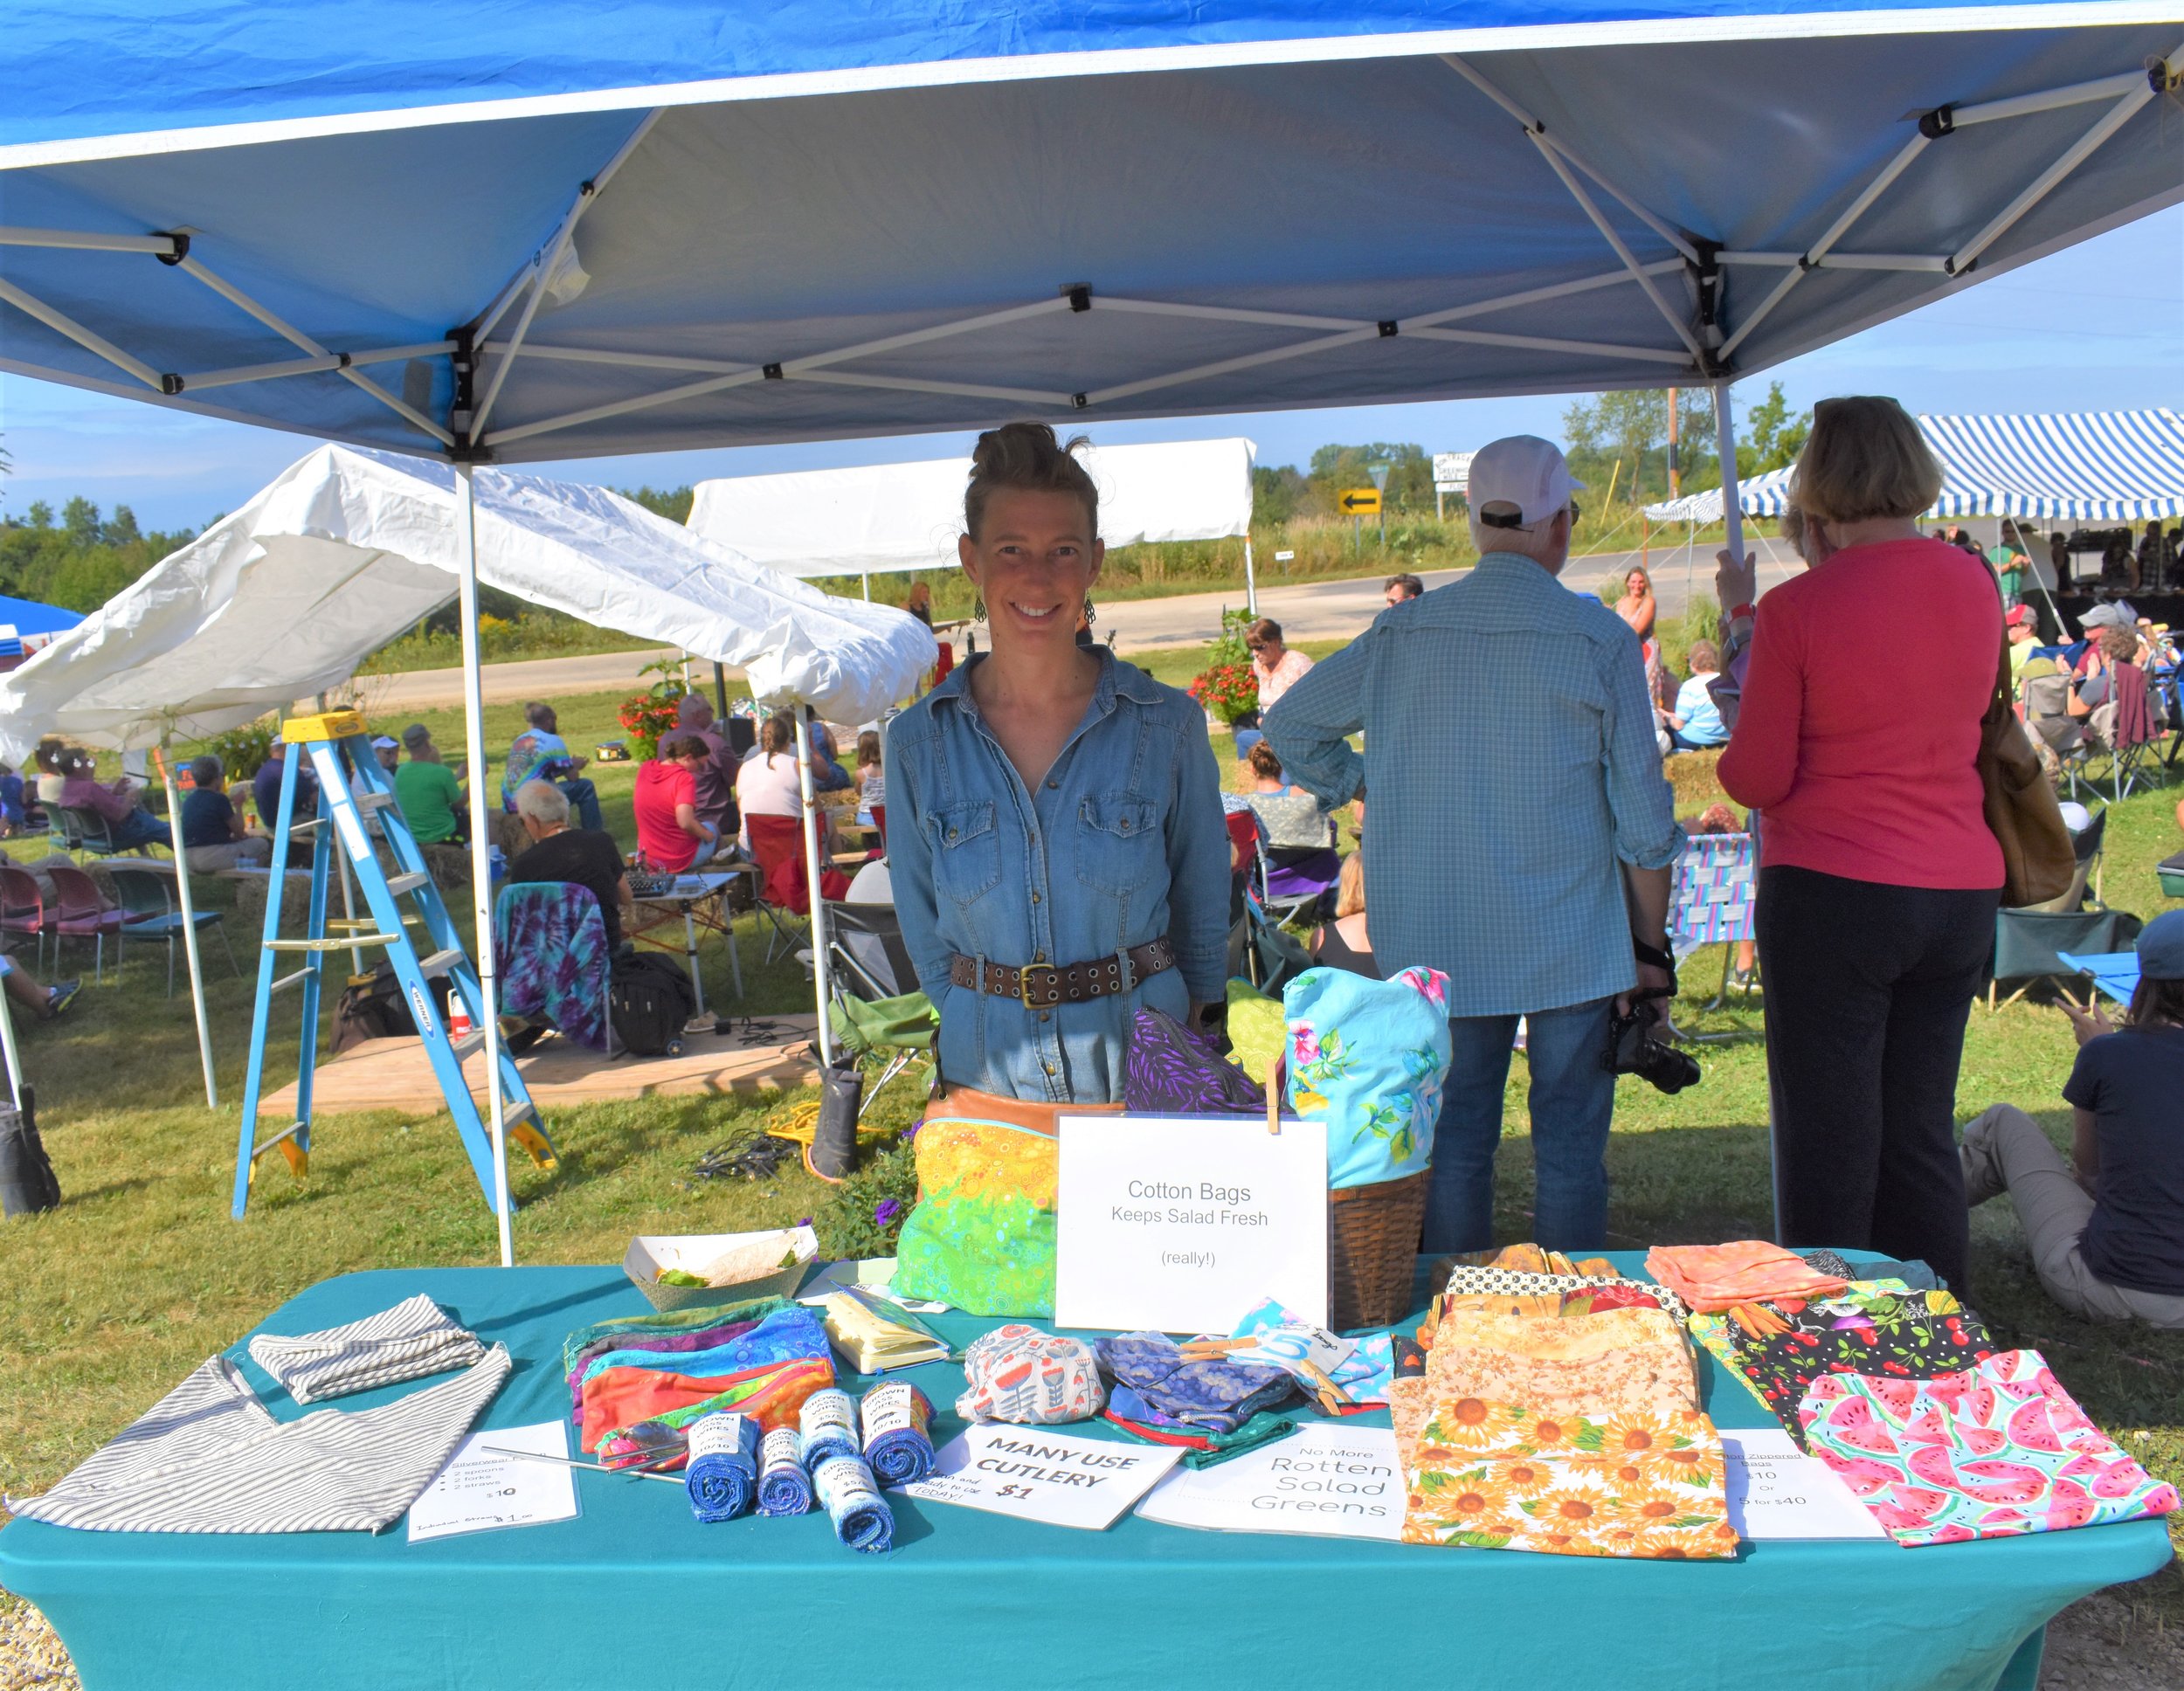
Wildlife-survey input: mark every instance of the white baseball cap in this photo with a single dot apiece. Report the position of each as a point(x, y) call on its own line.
point(1524, 471)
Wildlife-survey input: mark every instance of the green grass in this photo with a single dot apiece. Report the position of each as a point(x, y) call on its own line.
point(109, 1301)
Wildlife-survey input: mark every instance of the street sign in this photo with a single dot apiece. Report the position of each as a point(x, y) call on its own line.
point(1279, 557)
point(1451, 472)
point(1358, 501)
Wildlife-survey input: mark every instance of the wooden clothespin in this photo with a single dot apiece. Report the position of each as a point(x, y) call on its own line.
point(1274, 1094)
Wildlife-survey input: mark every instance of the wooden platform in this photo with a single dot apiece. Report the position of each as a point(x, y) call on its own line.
point(393, 1074)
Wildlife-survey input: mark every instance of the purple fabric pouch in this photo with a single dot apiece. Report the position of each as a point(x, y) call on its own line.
point(1170, 1071)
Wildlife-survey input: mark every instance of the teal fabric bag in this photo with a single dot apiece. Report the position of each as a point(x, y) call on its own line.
point(1368, 1058)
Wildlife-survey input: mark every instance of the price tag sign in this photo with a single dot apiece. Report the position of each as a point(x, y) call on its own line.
point(1777, 1491)
point(1184, 1224)
point(1038, 1474)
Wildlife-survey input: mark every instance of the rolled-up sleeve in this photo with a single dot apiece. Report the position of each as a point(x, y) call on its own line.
point(910, 872)
point(1197, 869)
point(1310, 725)
point(1647, 833)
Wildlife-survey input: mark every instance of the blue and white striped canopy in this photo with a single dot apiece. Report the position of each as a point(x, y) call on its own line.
point(2074, 466)
point(520, 229)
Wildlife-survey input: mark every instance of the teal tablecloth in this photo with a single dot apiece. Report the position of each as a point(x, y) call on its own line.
point(636, 1594)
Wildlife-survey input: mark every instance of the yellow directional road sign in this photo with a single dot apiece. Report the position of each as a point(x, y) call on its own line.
point(1358, 501)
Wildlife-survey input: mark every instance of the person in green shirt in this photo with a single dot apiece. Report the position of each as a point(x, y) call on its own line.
point(434, 804)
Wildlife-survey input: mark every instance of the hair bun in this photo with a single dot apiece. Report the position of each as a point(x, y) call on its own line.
point(1027, 457)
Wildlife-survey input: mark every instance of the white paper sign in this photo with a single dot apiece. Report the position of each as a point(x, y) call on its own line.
point(1327, 1478)
point(1452, 471)
point(479, 1492)
point(1777, 1491)
point(1181, 1224)
point(1038, 1474)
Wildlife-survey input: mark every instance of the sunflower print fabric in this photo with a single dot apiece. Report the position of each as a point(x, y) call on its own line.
point(1877, 1327)
point(1495, 1476)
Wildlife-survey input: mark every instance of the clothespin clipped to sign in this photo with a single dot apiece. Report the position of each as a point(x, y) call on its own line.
point(1274, 1094)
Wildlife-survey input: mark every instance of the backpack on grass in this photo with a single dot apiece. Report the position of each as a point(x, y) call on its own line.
point(372, 1009)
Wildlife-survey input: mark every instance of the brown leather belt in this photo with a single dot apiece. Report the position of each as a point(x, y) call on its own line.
point(1042, 985)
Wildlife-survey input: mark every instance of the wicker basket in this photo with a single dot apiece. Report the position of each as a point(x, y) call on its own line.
point(1372, 1235)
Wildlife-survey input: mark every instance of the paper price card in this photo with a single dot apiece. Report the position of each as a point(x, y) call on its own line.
point(1037, 1475)
point(481, 1490)
point(1182, 1223)
point(1777, 1491)
point(1327, 1480)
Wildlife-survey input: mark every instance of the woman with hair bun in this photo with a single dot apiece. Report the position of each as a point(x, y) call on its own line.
point(1879, 875)
point(1054, 824)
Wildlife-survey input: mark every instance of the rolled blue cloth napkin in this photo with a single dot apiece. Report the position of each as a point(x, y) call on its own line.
point(828, 1422)
point(897, 1422)
point(862, 1518)
point(721, 1477)
point(783, 1488)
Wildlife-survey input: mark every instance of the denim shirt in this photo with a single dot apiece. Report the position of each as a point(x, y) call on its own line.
point(1123, 843)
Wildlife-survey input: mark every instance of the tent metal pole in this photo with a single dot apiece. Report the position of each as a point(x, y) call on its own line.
point(821, 984)
point(1532, 296)
point(910, 384)
point(9, 1053)
point(333, 360)
point(1199, 372)
point(1480, 337)
point(61, 323)
point(1251, 580)
point(867, 579)
point(1615, 241)
point(2079, 94)
point(159, 246)
point(189, 927)
point(720, 693)
point(2116, 116)
point(480, 846)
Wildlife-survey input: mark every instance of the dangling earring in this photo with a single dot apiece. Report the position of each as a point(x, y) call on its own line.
point(1091, 616)
point(977, 610)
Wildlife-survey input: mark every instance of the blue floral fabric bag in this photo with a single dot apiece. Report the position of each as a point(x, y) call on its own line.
point(1368, 1058)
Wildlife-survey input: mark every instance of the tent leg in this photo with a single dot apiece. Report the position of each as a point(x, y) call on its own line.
point(480, 846)
point(189, 932)
point(720, 693)
point(348, 896)
point(8, 1052)
point(1251, 580)
point(821, 985)
point(867, 582)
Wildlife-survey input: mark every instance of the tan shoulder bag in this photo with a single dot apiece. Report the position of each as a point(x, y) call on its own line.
point(2037, 861)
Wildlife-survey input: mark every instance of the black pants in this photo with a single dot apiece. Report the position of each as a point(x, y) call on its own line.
point(1868, 990)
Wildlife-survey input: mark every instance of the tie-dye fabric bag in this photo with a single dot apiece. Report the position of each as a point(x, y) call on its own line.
point(982, 1237)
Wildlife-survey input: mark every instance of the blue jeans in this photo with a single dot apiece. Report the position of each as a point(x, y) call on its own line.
point(1572, 1100)
point(583, 799)
point(138, 828)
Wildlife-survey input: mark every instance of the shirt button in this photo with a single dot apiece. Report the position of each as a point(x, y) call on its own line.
point(1053, 786)
point(1039, 956)
point(1125, 825)
point(1034, 898)
point(951, 833)
point(1050, 1067)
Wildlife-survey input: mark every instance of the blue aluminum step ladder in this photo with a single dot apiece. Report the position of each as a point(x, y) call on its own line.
point(406, 901)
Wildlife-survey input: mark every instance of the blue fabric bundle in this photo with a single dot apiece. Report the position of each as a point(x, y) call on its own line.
point(783, 1488)
point(862, 1518)
point(897, 1422)
point(1215, 1396)
point(828, 1422)
point(723, 1475)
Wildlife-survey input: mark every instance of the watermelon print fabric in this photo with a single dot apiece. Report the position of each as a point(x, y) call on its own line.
point(1877, 1327)
point(1996, 1450)
point(1369, 1058)
point(1495, 1476)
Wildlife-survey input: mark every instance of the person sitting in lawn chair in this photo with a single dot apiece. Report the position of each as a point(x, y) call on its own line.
point(2106, 1228)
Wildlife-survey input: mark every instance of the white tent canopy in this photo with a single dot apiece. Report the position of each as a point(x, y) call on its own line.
point(873, 519)
point(346, 548)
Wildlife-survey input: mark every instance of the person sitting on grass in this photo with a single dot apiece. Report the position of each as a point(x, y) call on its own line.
point(669, 832)
point(1344, 944)
point(539, 754)
point(128, 824)
point(213, 837)
point(42, 1002)
point(2106, 1228)
point(434, 802)
point(582, 857)
point(1695, 724)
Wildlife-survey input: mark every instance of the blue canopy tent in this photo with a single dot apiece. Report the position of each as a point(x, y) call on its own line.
point(25, 624)
point(518, 230)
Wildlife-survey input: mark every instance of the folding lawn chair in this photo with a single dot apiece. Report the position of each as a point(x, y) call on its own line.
point(150, 912)
point(2115, 973)
point(782, 888)
point(1296, 863)
point(2046, 714)
point(1714, 898)
point(2135, 732)
point(2035, 943)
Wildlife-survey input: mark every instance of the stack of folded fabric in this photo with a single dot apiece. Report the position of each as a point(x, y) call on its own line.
point(1996, 1450)
point(637, 1383)
point(1712, 1278)
point(414, 1338)
point(1881, 1327)
point(1211, 1404)
point(1557, 1413)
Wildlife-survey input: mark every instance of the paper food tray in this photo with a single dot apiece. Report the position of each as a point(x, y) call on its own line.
point(694, 1252)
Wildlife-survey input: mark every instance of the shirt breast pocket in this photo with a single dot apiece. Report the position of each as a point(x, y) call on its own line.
point(1119, 843)
point(966, 850)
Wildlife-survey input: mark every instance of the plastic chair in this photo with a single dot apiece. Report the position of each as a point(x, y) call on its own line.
point(149, 912)
point(79, 913)
point(23, 908)
point(90, 833)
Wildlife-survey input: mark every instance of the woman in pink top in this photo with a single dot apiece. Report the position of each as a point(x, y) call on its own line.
point(1879, 878)
point(665, 806)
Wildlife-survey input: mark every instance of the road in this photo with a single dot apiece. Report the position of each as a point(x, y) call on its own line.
point(1307, 611)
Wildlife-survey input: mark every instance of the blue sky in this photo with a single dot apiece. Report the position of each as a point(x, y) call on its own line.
point(2096, 327)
